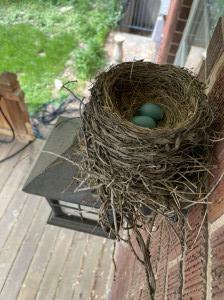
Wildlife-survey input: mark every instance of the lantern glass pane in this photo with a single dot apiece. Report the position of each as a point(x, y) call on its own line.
point(81, 211)
point(90, 216)
point(70, 209)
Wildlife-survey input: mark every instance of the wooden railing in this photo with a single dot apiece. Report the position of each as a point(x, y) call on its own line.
point(13, 113)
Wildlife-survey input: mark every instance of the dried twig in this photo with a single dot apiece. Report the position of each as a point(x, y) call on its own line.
point(62, 157)
point(140, 170)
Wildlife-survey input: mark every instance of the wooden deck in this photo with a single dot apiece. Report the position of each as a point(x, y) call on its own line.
point(40, 261)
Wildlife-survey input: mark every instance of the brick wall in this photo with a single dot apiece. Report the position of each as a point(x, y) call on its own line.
point(194, 269)
point(217, 263)
point(215, 65)
point(174, 26)
point(129, 283)
point(195, 256)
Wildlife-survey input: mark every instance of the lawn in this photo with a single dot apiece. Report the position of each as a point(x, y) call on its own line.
point(38, 38)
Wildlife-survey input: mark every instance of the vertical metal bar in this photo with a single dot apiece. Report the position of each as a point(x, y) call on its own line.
point(143, 8)
point(137, 15)
point(133, 23)
point(150, 13)
point(55, 207)
point(130, 14)
point(143, 11)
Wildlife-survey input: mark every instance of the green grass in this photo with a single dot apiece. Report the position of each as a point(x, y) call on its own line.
point(37, 39)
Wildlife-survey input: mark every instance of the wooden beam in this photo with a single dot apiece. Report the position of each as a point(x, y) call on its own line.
point(13, 107)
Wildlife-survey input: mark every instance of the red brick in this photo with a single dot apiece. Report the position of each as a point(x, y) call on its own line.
point(125, 262)
point(162, 265)
point(187, 2)
point(170, 59)
point(144, 295)
point(174, 284)
point(195, 295)
point(156, 244)
point(217, 237)
point(165, 246)
point(216, 97)
point(175, 251)
point(180, 26)
point(168, 31)
point(217, 263)
point(184, 12)
point(195, 262)
point(218, 296)
point(177, 37)
point(173, 49)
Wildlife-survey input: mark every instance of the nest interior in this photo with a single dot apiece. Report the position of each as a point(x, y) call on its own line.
point(138, 169)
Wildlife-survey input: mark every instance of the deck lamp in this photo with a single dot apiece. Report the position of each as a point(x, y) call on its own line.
point(53, 177)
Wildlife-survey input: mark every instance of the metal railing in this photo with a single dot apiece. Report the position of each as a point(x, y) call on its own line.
point(139, 15)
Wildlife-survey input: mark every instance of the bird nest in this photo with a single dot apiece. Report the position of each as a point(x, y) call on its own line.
point(138, 170)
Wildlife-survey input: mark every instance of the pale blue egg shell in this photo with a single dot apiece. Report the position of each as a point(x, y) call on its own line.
point(144, 121)
point(152, 110)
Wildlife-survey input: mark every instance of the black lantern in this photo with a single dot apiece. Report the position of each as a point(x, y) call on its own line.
point(53, 177)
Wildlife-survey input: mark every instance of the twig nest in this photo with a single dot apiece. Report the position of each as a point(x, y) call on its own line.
point(161, 168)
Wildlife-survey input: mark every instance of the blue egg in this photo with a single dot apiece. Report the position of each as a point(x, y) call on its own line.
point(152, 110)
point(144, 121)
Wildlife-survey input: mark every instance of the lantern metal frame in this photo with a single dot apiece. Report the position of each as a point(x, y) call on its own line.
point(53, 177)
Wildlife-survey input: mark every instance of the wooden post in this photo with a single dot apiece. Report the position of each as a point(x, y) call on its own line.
point(13, 106)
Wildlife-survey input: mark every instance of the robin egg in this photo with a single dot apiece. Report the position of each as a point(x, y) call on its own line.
point(152, 110)
point(144, 121)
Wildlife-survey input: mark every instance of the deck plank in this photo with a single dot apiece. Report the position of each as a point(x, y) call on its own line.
point(72, 267)
point(39, 261)
point(7, 167)
point(33, 279)
point(5, 149)
point(54, 269)
point(102, 283)
point(83, 288)
point(18, 175)
point(16, 205)
point(25, 254)
point(15, 239)
point(11, 217)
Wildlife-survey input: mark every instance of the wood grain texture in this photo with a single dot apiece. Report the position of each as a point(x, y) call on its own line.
point(102, 282)
point(55, 266)
point(13, 105)
point(17, 174)
point(39, 261)
point(25, 254)
point(92, 256)
point(38, 266)
point(72, 267)
point(7, 166)
point(15, 240)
